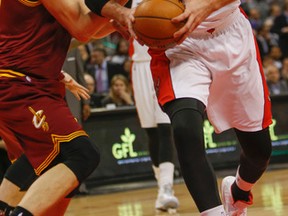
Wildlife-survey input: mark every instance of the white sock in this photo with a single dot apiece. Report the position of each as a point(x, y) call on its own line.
point(166, 174)
point(216, 211)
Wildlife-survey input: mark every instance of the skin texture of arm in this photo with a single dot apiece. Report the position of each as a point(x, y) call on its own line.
point(81, 23)
point(122, 15)
point(195, 12)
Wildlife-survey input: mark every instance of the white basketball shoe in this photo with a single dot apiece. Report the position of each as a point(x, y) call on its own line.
point(166, 200)
point(238, 208)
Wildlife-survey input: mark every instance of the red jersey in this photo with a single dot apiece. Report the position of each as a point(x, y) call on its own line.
point(32, 42)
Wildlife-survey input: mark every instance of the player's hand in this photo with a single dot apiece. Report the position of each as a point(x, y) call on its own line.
point(75, 88)
point(120, 15)
point(121, 29)
point(195, 12)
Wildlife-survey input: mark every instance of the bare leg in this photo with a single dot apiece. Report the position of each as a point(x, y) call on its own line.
point(49, 189)
point(10, 193)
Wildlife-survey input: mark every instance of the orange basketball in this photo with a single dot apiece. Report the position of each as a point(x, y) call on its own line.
point(153, 22)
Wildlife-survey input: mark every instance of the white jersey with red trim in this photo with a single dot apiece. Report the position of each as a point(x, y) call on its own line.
point(221, 68)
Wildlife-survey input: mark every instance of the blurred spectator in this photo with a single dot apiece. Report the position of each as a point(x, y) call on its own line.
point(266, 39)
point(95, 98)
point(85, 55)
point(102, 70)
point(4, 161)
point(255, 18)
point(274, 11)
point(280, 27)
point(284, 70)
point(276, 54)
point(90, 82)
point(261, 5)
point(267, 61)
point(120, 93)
point(127, 68)
point(275, 84)
point(121, 52)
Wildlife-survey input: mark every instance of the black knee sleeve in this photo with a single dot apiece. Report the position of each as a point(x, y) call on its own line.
point(187, 121)
point(81, 156)
point(255, 155)
point(21, 173)
point(187, 116)
point(166, 143)
point(4, 164)
point(160, 144)
point(153, 145)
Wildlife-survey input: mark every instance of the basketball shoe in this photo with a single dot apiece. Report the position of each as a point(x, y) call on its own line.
point(166, 199)
point(238, 208)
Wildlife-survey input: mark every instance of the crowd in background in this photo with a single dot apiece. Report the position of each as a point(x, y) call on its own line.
point(269, 20)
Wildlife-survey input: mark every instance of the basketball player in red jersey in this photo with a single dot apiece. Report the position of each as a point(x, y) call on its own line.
point(35, 36)
point(216, 68)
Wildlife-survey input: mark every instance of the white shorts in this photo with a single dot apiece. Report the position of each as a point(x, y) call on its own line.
point(220, 66)
point(149, 111)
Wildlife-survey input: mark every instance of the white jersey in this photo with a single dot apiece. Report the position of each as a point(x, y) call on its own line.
point(140, 53)
point(216, 18)
point(219, 65)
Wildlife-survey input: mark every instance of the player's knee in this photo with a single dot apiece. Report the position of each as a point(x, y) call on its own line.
point(186, 119)
point(258, 148)
point(21, 173)
point(90, 159)
point(82, 157)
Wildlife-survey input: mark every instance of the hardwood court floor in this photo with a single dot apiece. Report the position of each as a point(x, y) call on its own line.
point(270, 199)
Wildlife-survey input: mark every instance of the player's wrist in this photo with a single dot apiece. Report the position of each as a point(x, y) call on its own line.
point(96, 6)
point(66, 78)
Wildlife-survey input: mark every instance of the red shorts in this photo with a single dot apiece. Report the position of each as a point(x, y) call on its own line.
point(35, 119)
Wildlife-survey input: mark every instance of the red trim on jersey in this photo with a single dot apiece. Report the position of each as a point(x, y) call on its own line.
point(161, 76)
point(130, 53)
point(131, 48)
point(267, 118)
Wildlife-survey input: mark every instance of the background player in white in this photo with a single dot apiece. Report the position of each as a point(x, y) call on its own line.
point(156, 124)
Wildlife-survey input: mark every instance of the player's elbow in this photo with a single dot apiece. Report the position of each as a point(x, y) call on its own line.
point(81, 34)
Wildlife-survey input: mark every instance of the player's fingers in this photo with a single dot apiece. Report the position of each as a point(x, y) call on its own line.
point(184, 32)
point(181, 18)
point(75, 93)
point(82, 88)
point(84, 95)
point(131, 30)
point(122, 30)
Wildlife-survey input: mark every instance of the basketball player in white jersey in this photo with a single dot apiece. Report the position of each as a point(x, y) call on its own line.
point(156, 124)
point(215, 68)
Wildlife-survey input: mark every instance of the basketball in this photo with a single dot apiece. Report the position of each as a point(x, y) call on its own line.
point(153, 24)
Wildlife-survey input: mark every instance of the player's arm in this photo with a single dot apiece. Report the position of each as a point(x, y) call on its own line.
point(76, 17)
point(195, 12)
point(122, 17)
